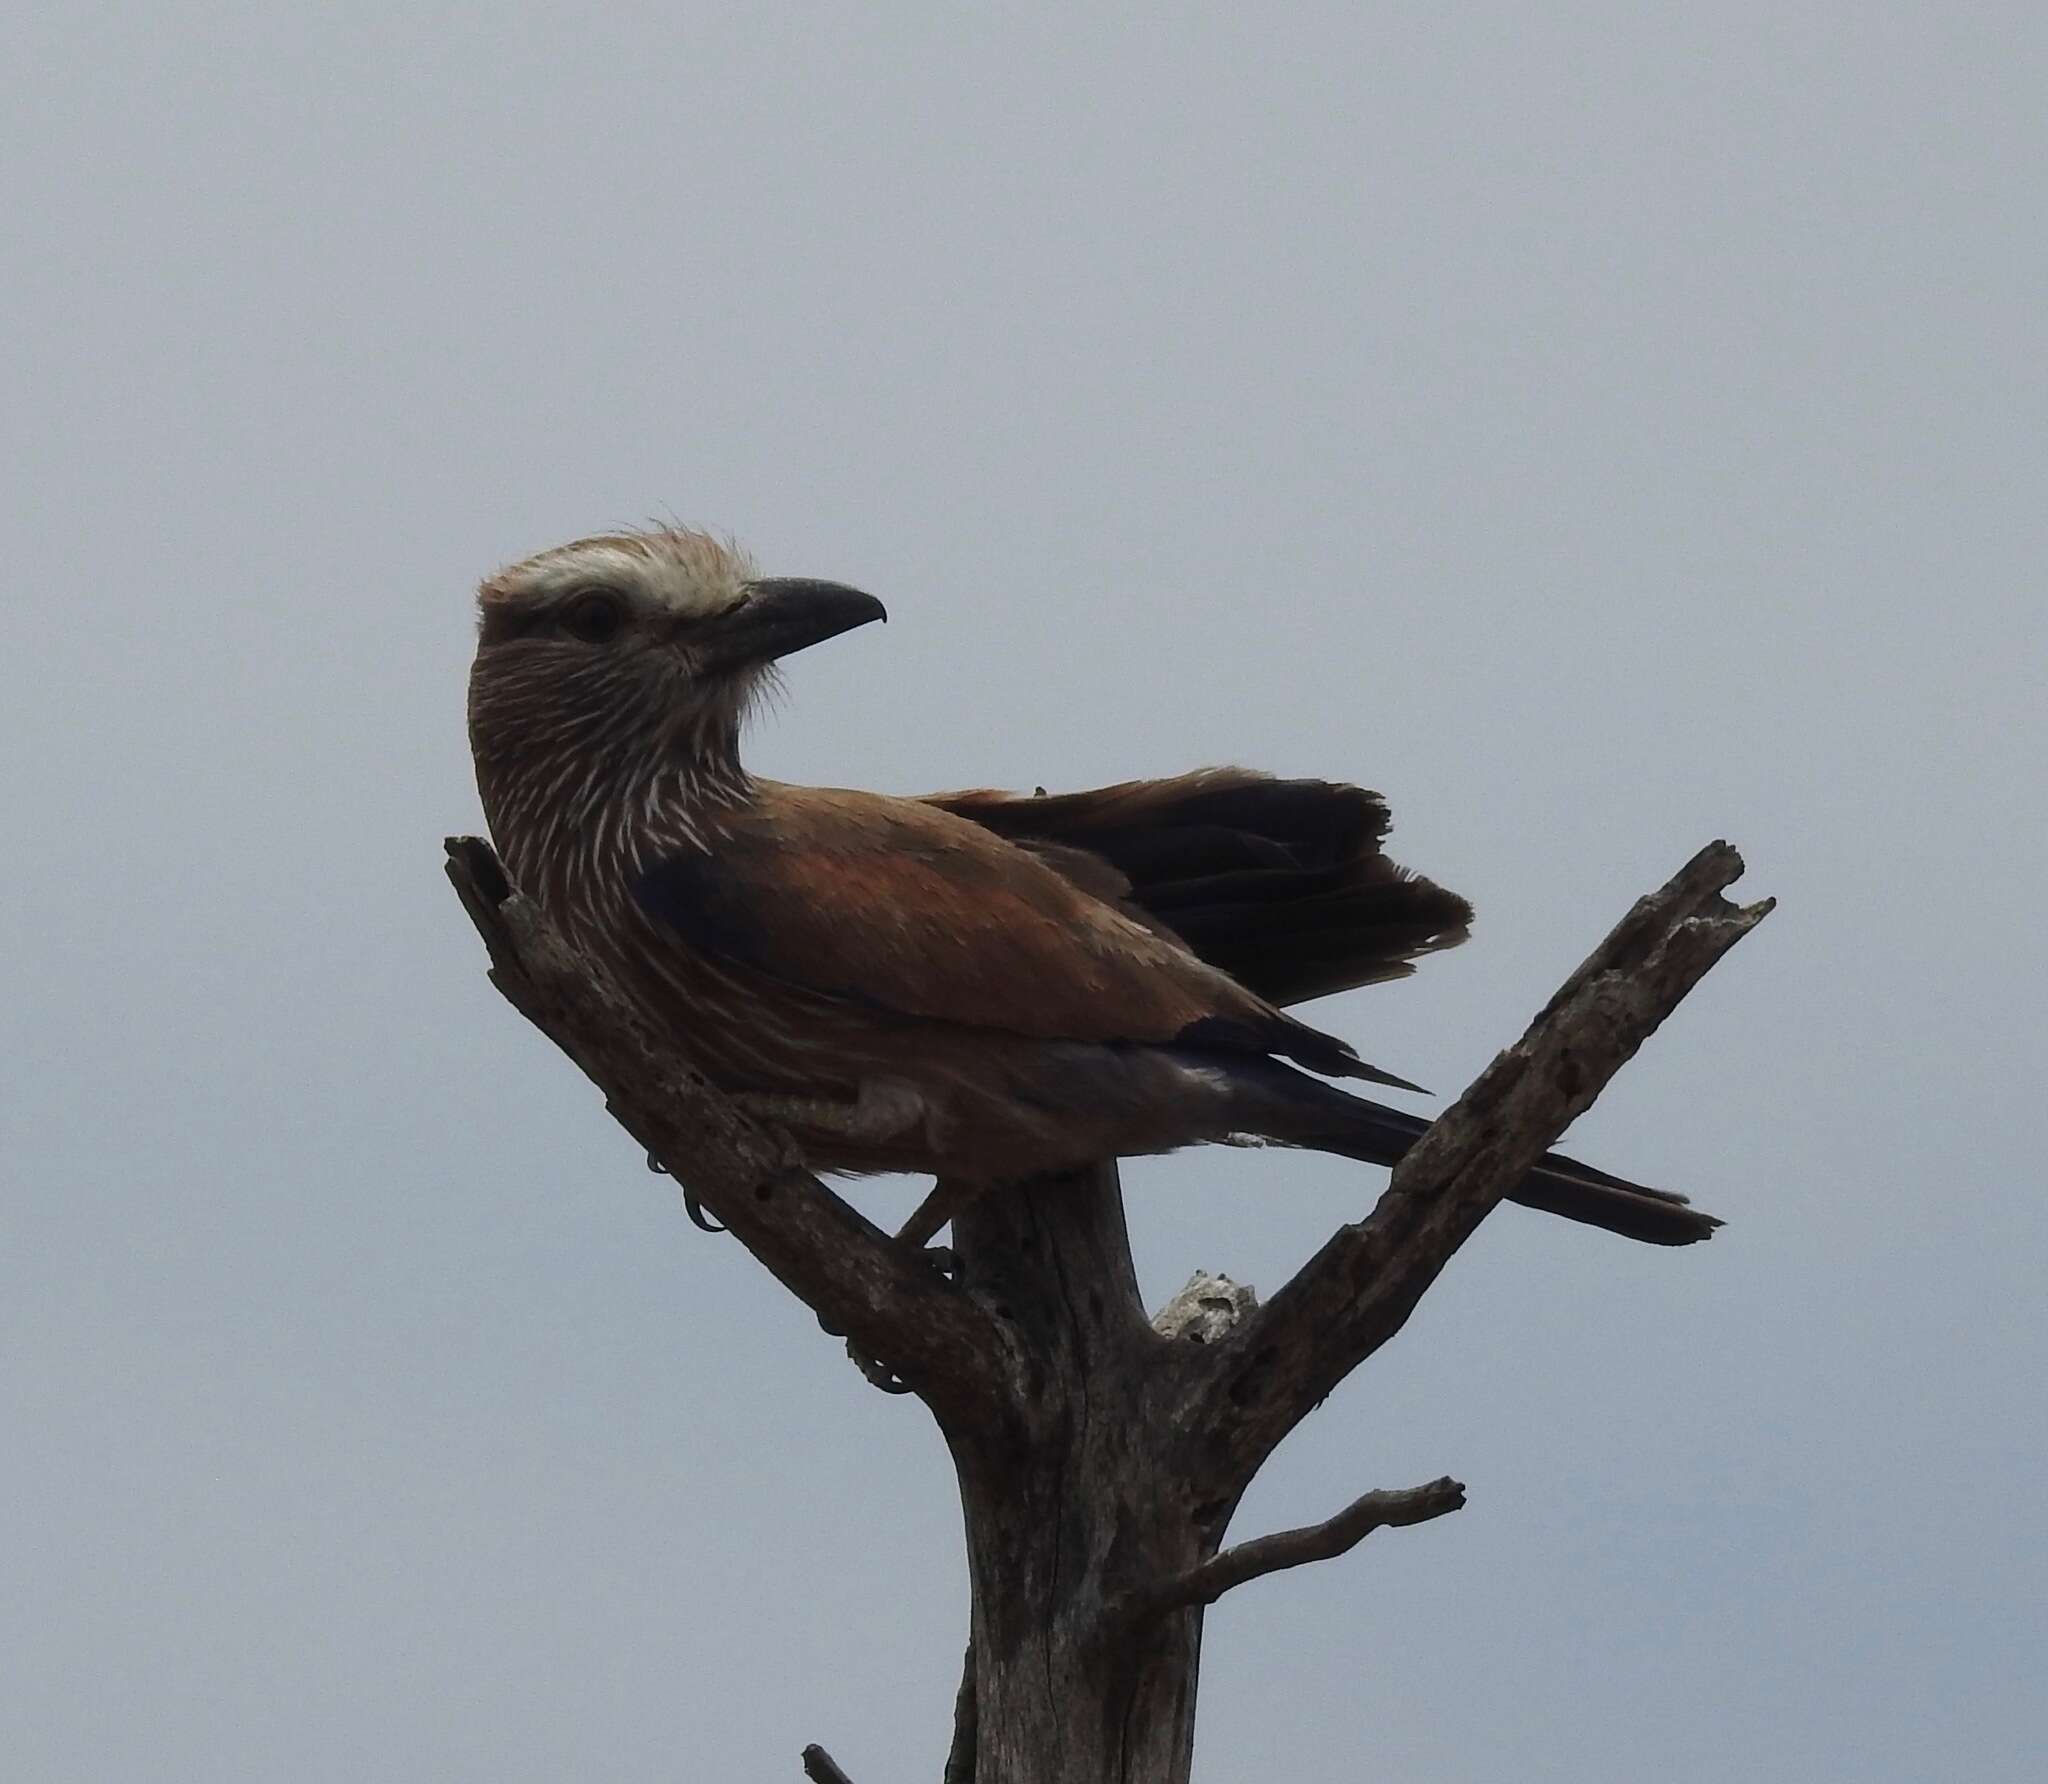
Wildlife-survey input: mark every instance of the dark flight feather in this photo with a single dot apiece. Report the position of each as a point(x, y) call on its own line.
point(1280, 884)
point(1557, 1185)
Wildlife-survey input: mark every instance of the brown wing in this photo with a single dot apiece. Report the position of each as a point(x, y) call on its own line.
point(1278, 883)
point(916, 913)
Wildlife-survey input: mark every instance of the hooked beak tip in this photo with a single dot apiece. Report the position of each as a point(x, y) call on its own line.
point(789, 614)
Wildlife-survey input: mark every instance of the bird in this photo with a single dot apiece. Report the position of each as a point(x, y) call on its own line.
point(978, 985)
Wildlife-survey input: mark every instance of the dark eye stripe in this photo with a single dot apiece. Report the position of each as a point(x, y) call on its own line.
point(502, 623)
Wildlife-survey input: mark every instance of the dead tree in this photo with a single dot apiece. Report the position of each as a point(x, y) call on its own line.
point(1100, 1456)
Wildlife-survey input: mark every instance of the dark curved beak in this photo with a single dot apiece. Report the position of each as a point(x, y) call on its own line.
point(783, 615)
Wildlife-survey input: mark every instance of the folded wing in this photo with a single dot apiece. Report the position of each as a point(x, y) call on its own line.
point(915, 914)
point(1278, 883)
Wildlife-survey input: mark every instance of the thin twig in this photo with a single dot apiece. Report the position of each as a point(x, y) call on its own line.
point(1206, 1583)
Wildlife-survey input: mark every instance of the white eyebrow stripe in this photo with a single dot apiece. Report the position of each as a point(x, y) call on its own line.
point(587, 563)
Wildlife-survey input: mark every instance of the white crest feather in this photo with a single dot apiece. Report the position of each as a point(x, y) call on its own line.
point(686, 573)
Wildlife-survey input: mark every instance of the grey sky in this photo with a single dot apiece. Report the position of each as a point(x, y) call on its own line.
point(1600, 428)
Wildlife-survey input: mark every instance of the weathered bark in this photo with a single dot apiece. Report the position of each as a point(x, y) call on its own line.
point(1096, 1502)
point(1093, 1544)
point(1100, 1461)
point(966, 1727)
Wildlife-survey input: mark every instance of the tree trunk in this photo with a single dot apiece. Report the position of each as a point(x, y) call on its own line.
point(1100, 1500)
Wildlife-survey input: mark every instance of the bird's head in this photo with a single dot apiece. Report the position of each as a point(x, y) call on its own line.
point(638, 647)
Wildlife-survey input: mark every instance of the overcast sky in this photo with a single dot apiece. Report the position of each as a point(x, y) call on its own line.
point(1600, 428)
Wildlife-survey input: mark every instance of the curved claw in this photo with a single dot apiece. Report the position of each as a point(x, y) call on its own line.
point(698, 1218)
point(877, 1372)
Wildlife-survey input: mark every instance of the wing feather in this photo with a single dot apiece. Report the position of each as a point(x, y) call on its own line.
point(913, 913)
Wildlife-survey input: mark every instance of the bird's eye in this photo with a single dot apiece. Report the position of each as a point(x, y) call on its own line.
point(594, 616)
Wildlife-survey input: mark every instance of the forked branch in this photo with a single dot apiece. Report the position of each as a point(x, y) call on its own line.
point(884, 1297)
point(1359, 1289)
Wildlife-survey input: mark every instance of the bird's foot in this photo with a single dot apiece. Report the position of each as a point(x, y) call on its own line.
point(698, 1218)
point(877, 1372)
point(941, 1258)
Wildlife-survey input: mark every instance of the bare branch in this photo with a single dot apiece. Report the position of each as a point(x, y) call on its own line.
point(1312, 1542)
point(885, 1298)
point(1359, 1289)
point(821, 1768)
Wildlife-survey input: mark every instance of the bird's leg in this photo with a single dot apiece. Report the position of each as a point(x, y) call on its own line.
point(948, 1197)
point(882, 1111)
